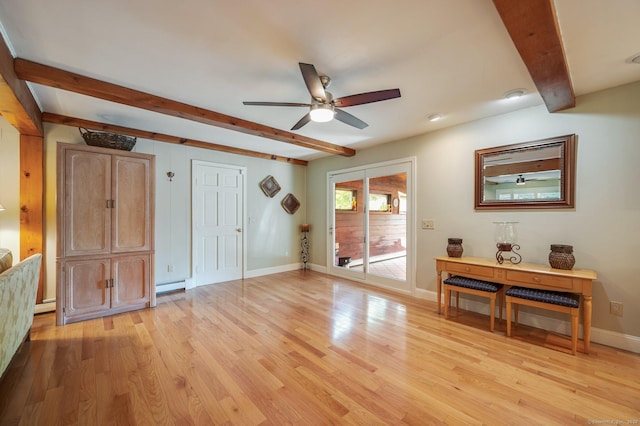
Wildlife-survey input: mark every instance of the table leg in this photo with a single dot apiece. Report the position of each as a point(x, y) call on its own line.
point(439, 289)
point(587, 323)
point(509, 317)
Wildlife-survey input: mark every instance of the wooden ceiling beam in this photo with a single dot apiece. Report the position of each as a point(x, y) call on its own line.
point(95, 125)
point(533, 27)
point(523, 167)
point(54, 77)
point(17, 104)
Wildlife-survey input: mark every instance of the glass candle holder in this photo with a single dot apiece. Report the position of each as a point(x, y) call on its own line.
point(506, 236)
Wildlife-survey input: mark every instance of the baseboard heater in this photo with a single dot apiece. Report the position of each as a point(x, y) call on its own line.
point(167, 287)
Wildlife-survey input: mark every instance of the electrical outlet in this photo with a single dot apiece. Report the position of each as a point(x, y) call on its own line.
point(169, 268)
point(428, 224)
point(615, 308)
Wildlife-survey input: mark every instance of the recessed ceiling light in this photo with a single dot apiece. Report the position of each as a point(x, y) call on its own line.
point(514, 94)
point(635, 59)
point(434, 117)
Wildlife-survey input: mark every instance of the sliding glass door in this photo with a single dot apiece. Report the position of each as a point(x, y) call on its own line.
point(370, 218)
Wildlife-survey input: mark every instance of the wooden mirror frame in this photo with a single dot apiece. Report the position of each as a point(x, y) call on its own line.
point(567, 175)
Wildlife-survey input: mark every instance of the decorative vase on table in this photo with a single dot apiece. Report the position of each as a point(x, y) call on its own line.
point(561, 256)
point(454, 247)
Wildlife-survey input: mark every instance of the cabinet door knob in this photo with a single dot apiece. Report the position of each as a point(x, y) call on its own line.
point(238, 229)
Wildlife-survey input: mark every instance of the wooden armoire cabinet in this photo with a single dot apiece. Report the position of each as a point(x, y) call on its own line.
point(105, 213)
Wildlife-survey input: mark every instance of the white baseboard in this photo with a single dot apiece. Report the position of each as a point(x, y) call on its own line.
point(626, 342)
point(284, 268)
point(188, 284)
point(46, 306)
point(273, 270)
point(317, 268)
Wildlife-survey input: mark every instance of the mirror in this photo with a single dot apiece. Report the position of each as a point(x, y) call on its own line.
point(530, 175)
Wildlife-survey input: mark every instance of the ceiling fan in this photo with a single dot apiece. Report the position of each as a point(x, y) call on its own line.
point(323, 106)
point(520, 180)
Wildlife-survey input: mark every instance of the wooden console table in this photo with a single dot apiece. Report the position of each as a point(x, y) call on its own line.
point(523, 275)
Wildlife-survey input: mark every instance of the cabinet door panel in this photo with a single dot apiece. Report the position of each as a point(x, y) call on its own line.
point(87, 214)
point(86, 284)
point(131, 189)
point(131, 280)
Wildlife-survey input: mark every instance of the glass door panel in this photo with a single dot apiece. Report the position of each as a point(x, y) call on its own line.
point(348, 228)
point(387, 247)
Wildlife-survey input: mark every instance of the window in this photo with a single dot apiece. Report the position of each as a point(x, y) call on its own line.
point(527, 193)
point(379, 202)
point(403, 202)
point(346, 199)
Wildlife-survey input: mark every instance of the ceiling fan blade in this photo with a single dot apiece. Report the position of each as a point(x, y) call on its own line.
point(349, 119)
point(312, 80)
point(291, 104)
point(304, 120)
point(367, 98)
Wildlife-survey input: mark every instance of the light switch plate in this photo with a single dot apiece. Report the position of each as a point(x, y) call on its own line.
point(428, 224)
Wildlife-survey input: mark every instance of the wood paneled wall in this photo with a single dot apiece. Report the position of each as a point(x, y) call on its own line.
point(387, 230)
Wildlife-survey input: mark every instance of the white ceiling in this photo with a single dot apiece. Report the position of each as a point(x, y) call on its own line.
point(452, 57)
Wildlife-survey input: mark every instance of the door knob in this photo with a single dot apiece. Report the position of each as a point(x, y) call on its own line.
point(238, 229)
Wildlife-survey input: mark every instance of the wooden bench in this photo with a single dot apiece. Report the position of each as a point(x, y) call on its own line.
point(472, 286)
point(552, 300)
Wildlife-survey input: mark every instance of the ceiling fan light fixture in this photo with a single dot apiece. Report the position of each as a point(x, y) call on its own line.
point(434, 117)
point(514, 94)
point(321, 113)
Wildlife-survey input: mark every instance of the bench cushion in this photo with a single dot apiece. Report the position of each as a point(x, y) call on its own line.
point(554, 297)
point(474, 284)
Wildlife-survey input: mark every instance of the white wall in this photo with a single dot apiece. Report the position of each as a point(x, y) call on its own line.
point(603, 228)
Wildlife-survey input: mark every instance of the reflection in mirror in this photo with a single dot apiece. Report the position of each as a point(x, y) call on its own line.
point(529, 175)
point(523, 175)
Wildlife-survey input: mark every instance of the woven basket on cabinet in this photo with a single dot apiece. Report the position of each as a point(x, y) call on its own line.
point(107, 139)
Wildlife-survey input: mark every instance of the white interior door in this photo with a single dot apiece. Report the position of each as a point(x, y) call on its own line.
point(218, 211)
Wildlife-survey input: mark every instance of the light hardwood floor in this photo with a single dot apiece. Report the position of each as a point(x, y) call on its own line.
point(305, 348)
